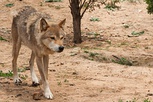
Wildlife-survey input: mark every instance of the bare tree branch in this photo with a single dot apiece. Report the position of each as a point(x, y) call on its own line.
point(88, 4)
point(69, 1)
point(82, 4)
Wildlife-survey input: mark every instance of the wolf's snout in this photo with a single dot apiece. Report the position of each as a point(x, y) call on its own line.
point(61, 48)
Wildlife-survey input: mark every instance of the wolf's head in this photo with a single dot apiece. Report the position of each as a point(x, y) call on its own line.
point(53, 35)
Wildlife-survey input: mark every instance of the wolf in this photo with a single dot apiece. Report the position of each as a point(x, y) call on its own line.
point(31, 28)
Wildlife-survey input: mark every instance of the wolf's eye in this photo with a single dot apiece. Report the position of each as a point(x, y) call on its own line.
point(53, 38)
point(62, 38)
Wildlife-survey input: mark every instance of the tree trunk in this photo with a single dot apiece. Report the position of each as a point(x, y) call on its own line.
point(75, 11)
point(77, 30)
point(76, 7)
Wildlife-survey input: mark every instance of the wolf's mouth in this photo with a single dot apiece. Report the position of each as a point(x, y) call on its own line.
point(59, 51)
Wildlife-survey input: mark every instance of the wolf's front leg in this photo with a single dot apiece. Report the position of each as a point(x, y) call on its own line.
point(35, 81)
point(46, 62)
point(47, 93)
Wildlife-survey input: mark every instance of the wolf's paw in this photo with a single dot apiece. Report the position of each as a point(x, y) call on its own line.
point(35, 81)
point(48, 94)
point(35, 84)
point(17, 81)
point(34, 78)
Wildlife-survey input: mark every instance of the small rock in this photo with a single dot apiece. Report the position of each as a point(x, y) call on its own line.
point(37, 95)
point(74, 73)
point(52, 70)
point(72, 84)
point(61, 63)
point(18, 95)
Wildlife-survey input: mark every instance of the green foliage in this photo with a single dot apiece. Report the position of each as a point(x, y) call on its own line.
point(57, 7)
point(150, 6)
point(137, 33)
point(147, 100)
point(122, 61)
point(24, 77)
point(8, 74)
point(66, 80)
point(95, 56)
point(120, 100)
point(131, 1)
point(21, 69)
point(111, 7)
point(134, 100)
point(9, 5)
point(59, 83)
point(92, 54)
point(2, 39)
point(93, 35)
point(94, 19)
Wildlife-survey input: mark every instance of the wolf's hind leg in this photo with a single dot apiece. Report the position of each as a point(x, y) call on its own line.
point(15, 52)
point(16, 40)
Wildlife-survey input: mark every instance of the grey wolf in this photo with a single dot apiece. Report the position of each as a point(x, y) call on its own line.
point(31, 28)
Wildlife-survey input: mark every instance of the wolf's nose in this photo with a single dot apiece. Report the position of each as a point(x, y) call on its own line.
point(61, 48)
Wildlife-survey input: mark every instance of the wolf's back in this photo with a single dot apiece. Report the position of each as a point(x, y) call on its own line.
point(24, 12)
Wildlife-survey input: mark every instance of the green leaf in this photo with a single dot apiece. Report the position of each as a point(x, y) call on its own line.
point(9, 5)
point(137, 33)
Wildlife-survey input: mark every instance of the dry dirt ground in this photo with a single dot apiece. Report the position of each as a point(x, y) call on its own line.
point(87, 72)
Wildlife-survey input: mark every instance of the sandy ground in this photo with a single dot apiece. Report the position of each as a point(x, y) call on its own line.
point(86, 72)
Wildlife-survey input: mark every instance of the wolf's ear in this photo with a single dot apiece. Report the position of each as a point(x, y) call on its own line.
point(62, 23)
point(43, 25)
